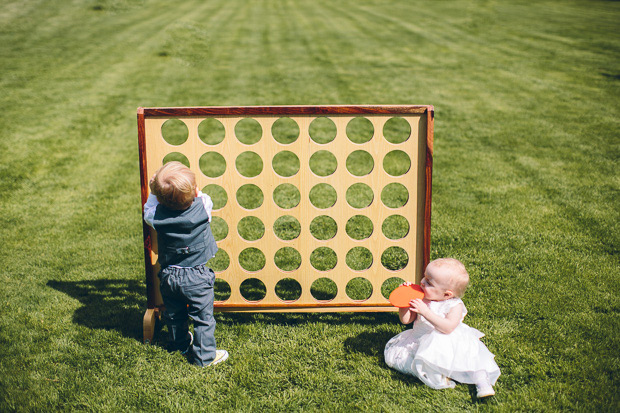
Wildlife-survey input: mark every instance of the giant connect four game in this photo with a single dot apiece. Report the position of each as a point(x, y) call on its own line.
point(316, 208)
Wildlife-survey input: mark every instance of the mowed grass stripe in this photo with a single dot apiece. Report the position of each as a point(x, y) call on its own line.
point(102, 73)
point(233, 48)
point(80, 159)
point(498, 48)
point(327, 47)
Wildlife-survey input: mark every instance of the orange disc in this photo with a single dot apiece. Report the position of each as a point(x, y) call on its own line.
point(403, 294)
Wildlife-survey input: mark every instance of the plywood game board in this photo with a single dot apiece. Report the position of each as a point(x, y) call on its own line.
point(325, 161)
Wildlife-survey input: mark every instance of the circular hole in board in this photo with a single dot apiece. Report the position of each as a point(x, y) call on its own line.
point(390, 285)
point(394, 258)
point(396, 130)
point(218, 195)
point(285, 131)
point(219, 228)
point(249, 164)
point(253, 289)
point(211, 131)
point(212, 164)
point(252, 259)
point(359, 289)
point(285, 163)
point(323, 259)
point(323, 227)
point(287, 259)
point(359, 195)
point(251, 228)
point(174, 131)
point(395, 227)
point(394, 195)
point(359, 227)
point(360, 163)
point(288, 289)
point(221, 290)
point(248, 131)
point(250, 196)
point(220, 262)
point(323, 163)
point(175, 157)
point(286, 196)
point(324, 289)
point(359, 258)
point(396, 163)
point(323, 196)
point(322, 130)
point(287, 228)
point(360, 130)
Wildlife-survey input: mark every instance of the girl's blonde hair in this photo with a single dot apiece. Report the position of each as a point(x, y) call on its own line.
point(174, 184)
point(458, 278)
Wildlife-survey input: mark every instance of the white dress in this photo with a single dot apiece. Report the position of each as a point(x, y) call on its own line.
point(435, 357)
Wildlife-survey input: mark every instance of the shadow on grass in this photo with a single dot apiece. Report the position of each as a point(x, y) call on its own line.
point(369, 343)
point(107, 304)
point(372, 344)
point(611, 76)
point(305, 318)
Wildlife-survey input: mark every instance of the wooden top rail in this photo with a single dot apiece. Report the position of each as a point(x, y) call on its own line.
point(285, 110)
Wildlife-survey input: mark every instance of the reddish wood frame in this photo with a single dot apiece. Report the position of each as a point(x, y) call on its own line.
point(144, 113)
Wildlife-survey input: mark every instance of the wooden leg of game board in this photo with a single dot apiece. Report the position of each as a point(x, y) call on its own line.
point(148, 324)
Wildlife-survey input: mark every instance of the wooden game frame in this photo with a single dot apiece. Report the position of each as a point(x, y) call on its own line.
point(418, 181)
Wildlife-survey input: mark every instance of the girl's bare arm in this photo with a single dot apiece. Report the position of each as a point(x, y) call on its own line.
point(406, 315)
point(443, 325)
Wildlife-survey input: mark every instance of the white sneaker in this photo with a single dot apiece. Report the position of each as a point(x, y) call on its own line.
point(220, 355)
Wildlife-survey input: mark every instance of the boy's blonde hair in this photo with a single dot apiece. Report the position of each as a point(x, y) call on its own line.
point(174, 184)
point(457, 275)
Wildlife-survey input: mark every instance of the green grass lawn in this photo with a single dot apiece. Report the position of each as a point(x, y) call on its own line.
point(525, 193)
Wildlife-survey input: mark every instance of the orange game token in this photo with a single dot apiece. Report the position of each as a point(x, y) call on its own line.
point(403, 294)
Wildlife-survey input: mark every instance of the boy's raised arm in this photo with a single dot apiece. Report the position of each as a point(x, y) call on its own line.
point(207, 202)
point(149, 210)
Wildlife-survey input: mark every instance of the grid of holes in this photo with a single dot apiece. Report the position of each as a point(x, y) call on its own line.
point(286, 164)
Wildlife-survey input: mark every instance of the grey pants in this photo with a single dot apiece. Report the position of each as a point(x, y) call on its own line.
point(188, 292)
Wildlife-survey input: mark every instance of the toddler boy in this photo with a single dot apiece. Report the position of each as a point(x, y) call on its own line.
point(181, 215)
